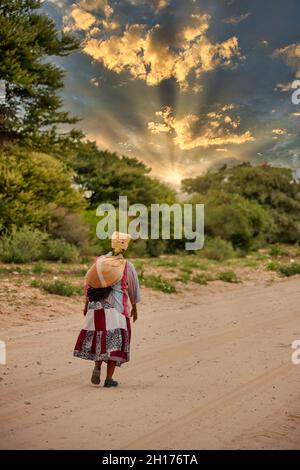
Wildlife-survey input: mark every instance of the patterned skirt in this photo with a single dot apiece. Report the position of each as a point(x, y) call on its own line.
point(105, 335)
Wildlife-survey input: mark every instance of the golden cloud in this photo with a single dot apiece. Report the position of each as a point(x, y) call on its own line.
point(279, 132)
point(78, 19)
point(97, 5)
point(291, 55)
point(189, 132)
point(236, 19)
point(146, 56)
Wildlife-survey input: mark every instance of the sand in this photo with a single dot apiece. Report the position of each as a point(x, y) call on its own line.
point(210, 369)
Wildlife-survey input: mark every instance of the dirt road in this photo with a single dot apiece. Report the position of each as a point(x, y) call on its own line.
point(209, 369)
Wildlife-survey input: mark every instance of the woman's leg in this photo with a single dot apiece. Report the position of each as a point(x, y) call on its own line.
point(95, 379)
point(111, 365)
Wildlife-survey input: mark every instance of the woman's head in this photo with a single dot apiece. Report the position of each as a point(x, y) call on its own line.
point(120, 242)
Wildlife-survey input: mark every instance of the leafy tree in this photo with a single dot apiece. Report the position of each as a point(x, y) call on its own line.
point(273, 188)
point(28, 39)
point(105, 176)
point(31, 185)
point(234, 218)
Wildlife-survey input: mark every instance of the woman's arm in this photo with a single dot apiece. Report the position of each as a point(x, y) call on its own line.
point(85, 306)
point(134, 313)
point(133, 290)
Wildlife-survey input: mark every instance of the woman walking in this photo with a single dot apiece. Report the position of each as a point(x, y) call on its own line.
point(106, 332)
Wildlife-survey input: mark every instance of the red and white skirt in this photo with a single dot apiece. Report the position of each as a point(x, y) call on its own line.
point(105, 335)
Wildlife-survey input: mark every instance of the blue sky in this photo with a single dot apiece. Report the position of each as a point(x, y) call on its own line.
point(185, 85)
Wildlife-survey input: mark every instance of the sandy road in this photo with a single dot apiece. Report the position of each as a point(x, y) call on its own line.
point(208, 370)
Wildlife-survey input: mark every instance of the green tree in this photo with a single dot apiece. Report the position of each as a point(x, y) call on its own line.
point(105, 176)
point(32, 184)
point(273, 188)
point(234, 218)
point(28, 39)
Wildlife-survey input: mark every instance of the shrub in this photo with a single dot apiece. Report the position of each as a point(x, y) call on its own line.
point(272, 266)
point(60, 288)
point(22, 246)
point(228, 276)
point(290, 269)
point(30, 184)
point(39, 268)
point(218, 249)
point(158, 283)
point(277, 250)
point(202, 279)
point(155, 247)
point(59, 250)
point(69, 226)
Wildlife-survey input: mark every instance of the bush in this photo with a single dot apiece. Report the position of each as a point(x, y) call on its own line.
point(59, 288)
point(217, 249)
point(22, 246)
point(30, 184)
point(26, 245)
point(155, 248)
point(69, 226)
point(235, 219)
point(277, 250)
point(202, 279)
point(290, 269)
point(228, 276)
point(158, 283)
point(59, 250)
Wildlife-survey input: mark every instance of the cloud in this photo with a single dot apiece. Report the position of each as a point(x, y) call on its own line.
point(148, 55)
point(78, 19)
point(156, 4)
point(284, 87)
point(82, 16)
point(97, 6)
point(279, 132)
point(219, 128)
point(291, 55)
point(236, 19)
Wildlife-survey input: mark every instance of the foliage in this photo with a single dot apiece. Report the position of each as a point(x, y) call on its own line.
point(58, 287)
point(28, 38)
point(227, 276)
point(22, 246)
point(59, 250)
point(271, 188)
point(290, 269)
point(217, 249)
point(158, 283)
point(69, 226)
point(28, 244)
point(202, 279)
point(233, 218)
point(31, 185)
point(106, 176)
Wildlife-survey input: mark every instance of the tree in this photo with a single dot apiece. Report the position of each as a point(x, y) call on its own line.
point(273, 188)
point(28, 39)
point(105, 176)
point(32, 184)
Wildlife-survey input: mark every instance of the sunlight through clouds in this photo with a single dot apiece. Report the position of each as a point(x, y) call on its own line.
point(189, 132)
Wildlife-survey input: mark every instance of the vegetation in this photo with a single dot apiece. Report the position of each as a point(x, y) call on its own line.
point(58, 287)
point(26, 245)
point(51, 181)
point(32, 106)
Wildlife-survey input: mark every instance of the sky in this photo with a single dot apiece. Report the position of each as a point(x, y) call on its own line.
point(185, 85)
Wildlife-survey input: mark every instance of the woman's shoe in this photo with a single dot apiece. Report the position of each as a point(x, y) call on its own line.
point(110, 383)
point(95, 379)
